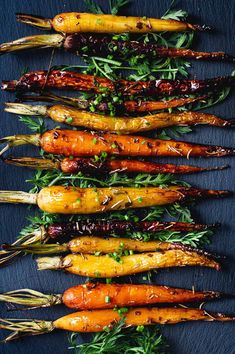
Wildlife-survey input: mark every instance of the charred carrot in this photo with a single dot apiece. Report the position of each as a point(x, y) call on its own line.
point(99, 320)
point(83, 144)
point(77, 22)
point(95, 228)
point(90, 166)
point(122, 125)
point(91, 296)
point(99, 227)
point(38, 80)
point(107, 267)
point(127, 106)
point(88, 44)
point(75, 200)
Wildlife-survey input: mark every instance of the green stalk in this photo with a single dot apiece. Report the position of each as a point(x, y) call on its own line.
point(51, 263)
point(35, 21)
point(38, 41)
point(38, 235)
point(34, 162)
point(22, 328)
point(18, 197)
point(37, 248)
point(25, 109)
point(79, 102)
point(16, 140)
point(31, 298)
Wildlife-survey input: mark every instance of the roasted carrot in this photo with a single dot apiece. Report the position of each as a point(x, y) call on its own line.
point(122, 125)
point(75, 200)
point(36, 81)
point(91, 296)
point(107, 267)
point(99, 227)
point(76, 22)
point(102, 245)
point(135, 317)
point(99, 320)
point(127, 106)
point(103, 46)
point(92, 167)
point(82, 144)
point(94, 227)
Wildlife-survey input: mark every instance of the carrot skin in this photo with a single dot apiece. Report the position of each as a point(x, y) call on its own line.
point(75, 22)
point(98, 320)
point(103, 46)
point(107, 245)
point(126, 125)
point(35, 81)
point(103, 227)
point(82, 144)
point(92, 296)
point(92, 167)
point(74, 200)
point(87, 165)
point(106, 267)
point(118, 124)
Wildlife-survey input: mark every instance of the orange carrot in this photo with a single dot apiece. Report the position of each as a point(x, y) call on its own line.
point(90, 296)
point(82, 143)
point(99, 320)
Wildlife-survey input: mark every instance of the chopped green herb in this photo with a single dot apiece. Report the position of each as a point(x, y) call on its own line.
point(107, 299)
point(69, 120)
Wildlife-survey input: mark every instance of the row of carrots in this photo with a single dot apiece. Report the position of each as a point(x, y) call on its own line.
point(102, 305)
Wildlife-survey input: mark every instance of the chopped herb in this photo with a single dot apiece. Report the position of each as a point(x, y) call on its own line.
point(94, 141)
point(107, 299)
point(121, 310)
point(69, 120)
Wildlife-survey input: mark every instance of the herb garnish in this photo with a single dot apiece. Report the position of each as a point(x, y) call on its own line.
point(141, 340)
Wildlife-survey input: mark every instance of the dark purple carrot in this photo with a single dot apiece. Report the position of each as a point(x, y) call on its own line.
point(104, 227)
point(88, 44)
point(58, 79)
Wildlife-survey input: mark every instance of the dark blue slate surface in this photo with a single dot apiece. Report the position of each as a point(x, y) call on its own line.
point(196, 338)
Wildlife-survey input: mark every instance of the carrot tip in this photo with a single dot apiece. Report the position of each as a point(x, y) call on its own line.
point(202, 28)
